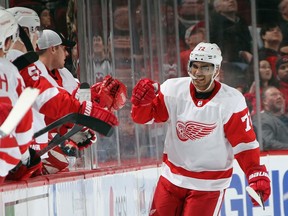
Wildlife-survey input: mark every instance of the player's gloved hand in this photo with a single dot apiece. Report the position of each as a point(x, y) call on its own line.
point(110, 93)
point(144, 92)
point(259, 180)
point(84, 138)
point(31, 169)
point(91, 109)
point(69, 148)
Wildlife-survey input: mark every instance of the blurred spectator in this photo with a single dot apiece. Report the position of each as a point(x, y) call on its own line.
point(194, 35)
point(272, 37)
point(170, 67)
point(46, 19)
point(100, 59)
point(266, 79)
point(282, 74)
point(73, 62)
point(60, 17)
point(190, 12)
point(274, 122)
point(283, 25)
point(230, 32)
point(71, 19)
point(283, 21)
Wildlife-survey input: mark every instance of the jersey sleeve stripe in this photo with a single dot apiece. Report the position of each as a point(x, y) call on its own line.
point(25, 137)
point(245, 146)
point(45, 96)
point(11, 157)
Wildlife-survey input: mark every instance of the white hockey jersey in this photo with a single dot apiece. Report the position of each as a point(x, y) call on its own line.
point(203, 135)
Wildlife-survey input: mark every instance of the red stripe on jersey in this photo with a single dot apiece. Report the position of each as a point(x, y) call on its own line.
point(9, 159)
point(239, 128)
point(19, 87)
point(8, 142)
point(208, 175)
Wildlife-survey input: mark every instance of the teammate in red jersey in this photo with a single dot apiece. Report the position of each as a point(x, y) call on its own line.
point(53, 102)
point(208, 126)
point(14, 147)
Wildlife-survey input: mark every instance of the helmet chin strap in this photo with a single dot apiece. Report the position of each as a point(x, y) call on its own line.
point(193, 78)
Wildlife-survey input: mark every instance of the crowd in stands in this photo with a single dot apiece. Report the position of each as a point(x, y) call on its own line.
point(230, 28)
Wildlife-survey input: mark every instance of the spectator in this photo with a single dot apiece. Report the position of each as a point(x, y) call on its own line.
point(195, 35)
point(230, 32)
point(72, 63)
point(282, 74)
point(266, 79)
point(272, 37)
point(60, 16)
point(190, 12)
point(30, 23)
point(274, 122)
point(100, 59)
point(283, 22)
point(71, 19)
point(170, 67)
point(13, 149)
point(46, 19)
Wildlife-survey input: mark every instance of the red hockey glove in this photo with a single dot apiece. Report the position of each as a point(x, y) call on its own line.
point(144, 92)
point(111, 93)
point(259, 180)
point(91, 109)
point(84, 138)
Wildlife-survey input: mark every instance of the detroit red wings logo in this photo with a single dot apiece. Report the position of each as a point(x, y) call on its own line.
point(193, 130)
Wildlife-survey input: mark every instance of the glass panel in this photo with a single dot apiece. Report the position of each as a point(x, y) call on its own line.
point(132, 39)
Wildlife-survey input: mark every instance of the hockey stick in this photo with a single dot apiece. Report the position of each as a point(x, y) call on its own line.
point(257, 197)
point(23, 104)
point(79, 119)
point(25, 60)
point(59, 139)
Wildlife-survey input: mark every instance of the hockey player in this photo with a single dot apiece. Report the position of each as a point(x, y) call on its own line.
point(110, 93)
point(29, 21)
point(60, 78)
point(208, 126)
point(10, 154)
point(53, 102)
point(11, 85)
point(52, 54)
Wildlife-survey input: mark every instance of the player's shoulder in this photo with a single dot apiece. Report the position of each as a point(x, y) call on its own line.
point(230, 92)
point(231, 98)
point(13, 54)
point(6, 65)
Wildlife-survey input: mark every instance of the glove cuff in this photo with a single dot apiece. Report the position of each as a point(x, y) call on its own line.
point(256, 173)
